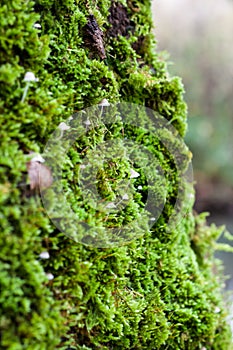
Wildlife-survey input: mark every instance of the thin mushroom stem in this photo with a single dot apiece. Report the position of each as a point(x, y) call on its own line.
point(25, 91)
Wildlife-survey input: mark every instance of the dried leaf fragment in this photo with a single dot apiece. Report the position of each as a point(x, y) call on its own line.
point(40, 176)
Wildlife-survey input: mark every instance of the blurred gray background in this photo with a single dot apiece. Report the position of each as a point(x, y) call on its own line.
point(199, 38)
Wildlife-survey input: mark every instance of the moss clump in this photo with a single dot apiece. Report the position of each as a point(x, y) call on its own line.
point(160, 291)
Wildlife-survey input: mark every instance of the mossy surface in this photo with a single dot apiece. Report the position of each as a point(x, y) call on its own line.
point(161, 291)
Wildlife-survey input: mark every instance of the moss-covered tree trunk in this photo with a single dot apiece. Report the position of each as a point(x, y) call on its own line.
point(158, 291)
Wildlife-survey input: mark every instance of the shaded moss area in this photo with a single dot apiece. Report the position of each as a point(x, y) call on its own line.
point(161, 291)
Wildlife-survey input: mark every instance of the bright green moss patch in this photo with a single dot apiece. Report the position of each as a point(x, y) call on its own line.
point(160, 291)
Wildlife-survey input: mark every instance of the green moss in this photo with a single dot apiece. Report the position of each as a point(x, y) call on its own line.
point(160, 290)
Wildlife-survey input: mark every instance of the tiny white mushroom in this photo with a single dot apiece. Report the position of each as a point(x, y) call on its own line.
point(87, 122)
point(139, 187)
point(44, 255)
point(125, 197)
point(37, 26)
point(110, 205)
point(63, 126)
point(133, 174)
point(28, 78)
point(50, 276)
point(104, 103)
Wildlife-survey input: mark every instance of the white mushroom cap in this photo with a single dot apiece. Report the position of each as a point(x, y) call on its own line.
point(104, 102)
point(133, 174)
point(125, 197)
point(37, 25)
point(50, 276)
point(29, 76)
point(87, 122)
point(110, 205)
point(44, 255)
point(63, 126)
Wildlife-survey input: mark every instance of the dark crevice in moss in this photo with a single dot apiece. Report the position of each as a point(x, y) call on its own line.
point(119, 21)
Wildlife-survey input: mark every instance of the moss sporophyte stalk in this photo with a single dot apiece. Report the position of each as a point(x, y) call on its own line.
point(100, 247)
